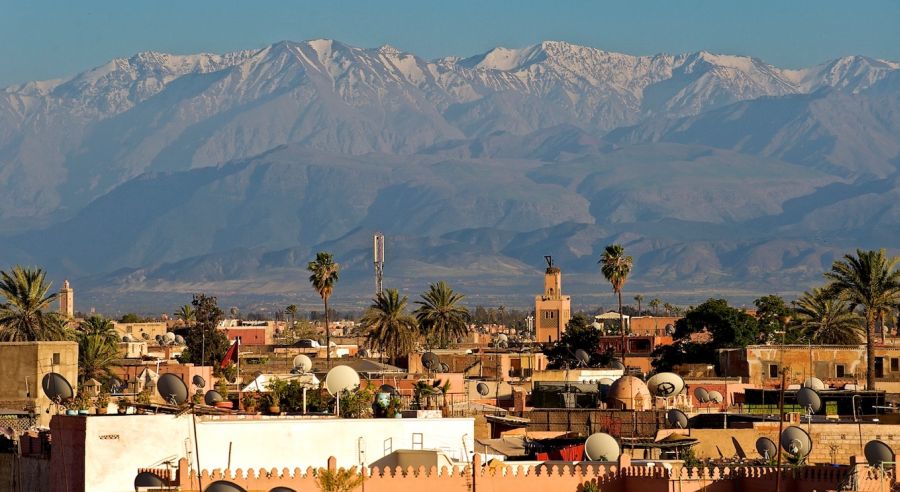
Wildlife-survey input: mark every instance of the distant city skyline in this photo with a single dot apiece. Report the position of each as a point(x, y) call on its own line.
point(53, 39)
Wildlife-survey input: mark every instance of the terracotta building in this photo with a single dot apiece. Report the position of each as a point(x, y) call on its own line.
point(552, 310)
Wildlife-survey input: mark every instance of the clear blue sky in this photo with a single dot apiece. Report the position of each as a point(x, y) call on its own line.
point(42, 39)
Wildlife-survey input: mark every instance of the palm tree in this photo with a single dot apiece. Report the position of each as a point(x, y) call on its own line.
point(186, 315)
point(654, 305)
point(639, 299)
point(27, 316)
point(826, 319)
point(391, 329)
point(96, 353)
point(440, 315)
point(98, 325)
point(869, 280)
point(323, 275)
point(291, 311)
point(668, 308)
point(616, 266)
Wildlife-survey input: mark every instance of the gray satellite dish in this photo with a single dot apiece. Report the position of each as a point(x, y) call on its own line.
point(147, 480)
point(56, 387)
point(766, 448)
point(677, 419)
point(715, 396)
point(212, 397)
point(702, 395)
point(814, 383)
point(583, 357)
point(198, 381)
point(159, 338)
point(172, 389)
point(445, 367)
point(169, 337)
point(617, 365)
point(127, 338)
point(482, 389)
point(878, 453)
point(809, 399)
point(601, 447)
point(303, 363)
point(665, 384)
point(340, 379)
point(282, 489)
point(362, 353)
point(431, 361)
point(386, 388)
point(223, 486)
point(796, 441)
point(179, 340)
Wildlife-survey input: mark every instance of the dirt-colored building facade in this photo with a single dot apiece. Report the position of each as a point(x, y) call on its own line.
point(23, 366)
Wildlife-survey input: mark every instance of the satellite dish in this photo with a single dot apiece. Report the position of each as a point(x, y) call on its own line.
point(198, 381)
point(665, 384)
point(814, 383)
point(677, 419)
point(796, 441)
point(56, 387)
point(502, 337)
point(159, 338)
point(583, 357)
point(179, 340)
point(445, 367)
point(147, 480)
point(430, 360)
point(877, 453)
point(601, 447)
point(303, 363)
point(340, 379)
point(606, 381)
point(172, 389)
point(715, 396)
point(617, 365)
point(766, 448)
point(169, 337)
point(212, 397)
point(482, 389)
point(223, 486)
point(282, 489)
point(503, 344)
point(702, 395)
point(127, 338)
point(809, 399)
point(362, 353)
point(386, 388)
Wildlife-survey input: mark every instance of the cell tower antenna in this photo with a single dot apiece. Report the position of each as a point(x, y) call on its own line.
point(378, 250)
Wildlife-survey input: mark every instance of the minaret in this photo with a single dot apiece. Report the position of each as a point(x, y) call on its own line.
point(67, 300)
point(552, 310)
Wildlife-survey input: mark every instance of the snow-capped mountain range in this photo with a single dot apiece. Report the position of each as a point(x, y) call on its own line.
point(70, 142)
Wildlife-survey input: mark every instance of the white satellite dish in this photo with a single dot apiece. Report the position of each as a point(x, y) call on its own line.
point(303, 363)
point(716, 397)
point(340, 379)
point(601, 447)
point(814, 384)
point(169, 337)
point(665, 384)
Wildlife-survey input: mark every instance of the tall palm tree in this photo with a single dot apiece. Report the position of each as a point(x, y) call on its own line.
point(96, 353)
point(639, 299)
point(654, 305)
point(291, 312)
point(440, 315)
point(826, 319)
point(391, 329)
point(616, 266)
point(27, 315)
point(871, 281)
point(324, 274)
point(186, 315)
point(668, 308)
point(98, 325)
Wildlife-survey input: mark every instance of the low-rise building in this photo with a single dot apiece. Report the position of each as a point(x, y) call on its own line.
point(141, 331)
point(23, 366)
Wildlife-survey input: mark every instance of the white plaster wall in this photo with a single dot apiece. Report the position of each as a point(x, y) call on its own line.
point(116, 446)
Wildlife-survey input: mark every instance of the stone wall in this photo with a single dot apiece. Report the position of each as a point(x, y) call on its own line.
point(20, 473)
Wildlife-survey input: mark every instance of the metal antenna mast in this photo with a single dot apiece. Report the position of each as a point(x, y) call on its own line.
point(378, 250)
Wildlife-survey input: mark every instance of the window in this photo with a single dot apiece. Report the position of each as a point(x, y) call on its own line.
point(895, 364)
point(773, 370)
point(839, 371)
point(56, 358)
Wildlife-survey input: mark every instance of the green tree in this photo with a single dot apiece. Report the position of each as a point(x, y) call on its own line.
point(771, 314)
point(340, 480)
point(654, 305)
point(96, 354)
point(131, 318)
point(825, 319)
point(616, 266)
point(98, 325)
point(291, 312)
point(205, 345)
point(869, 281)
point(324, 273)
point(27, 315)
point(581, 335)
point(639, 299)
point(441, 316)
point(186, 315)
point(391, 329)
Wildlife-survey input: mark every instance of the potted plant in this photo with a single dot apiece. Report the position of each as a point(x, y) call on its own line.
point(250, 401)
point(197, 397)
point(81, 404)
point(122, 405)
point(102, 402)
point(71, 407)
point(276, 389)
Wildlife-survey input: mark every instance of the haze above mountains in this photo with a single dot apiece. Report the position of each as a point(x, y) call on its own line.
point(152, 177)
